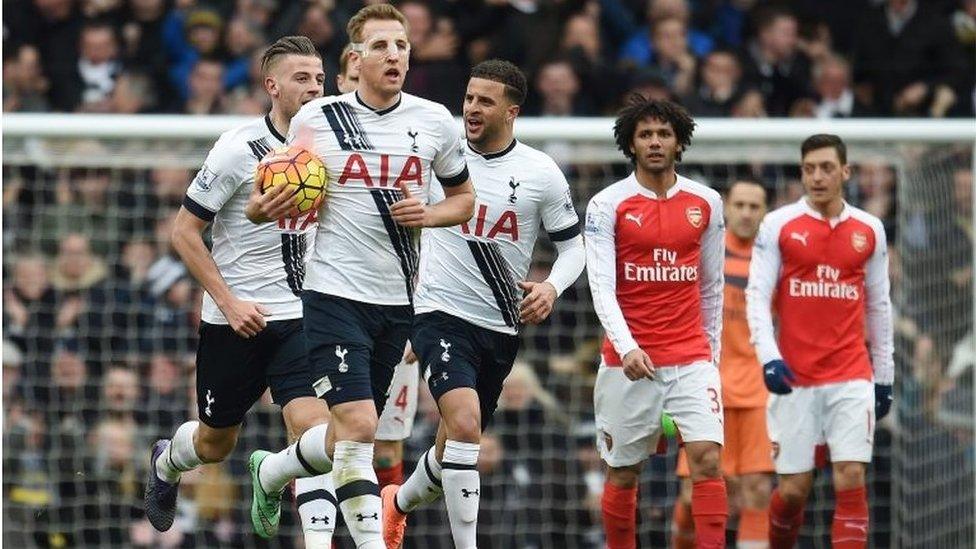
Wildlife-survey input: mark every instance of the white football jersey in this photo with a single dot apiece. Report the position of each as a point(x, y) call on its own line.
point(260, 263)
point(360, 253)
point(472, 270)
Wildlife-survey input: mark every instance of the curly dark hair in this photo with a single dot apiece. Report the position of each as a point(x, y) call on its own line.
point(640, 108)
point(504, 72)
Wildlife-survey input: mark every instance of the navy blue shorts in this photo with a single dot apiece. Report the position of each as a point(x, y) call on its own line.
point(233, 372)
point(353, 347)
point(460, 354)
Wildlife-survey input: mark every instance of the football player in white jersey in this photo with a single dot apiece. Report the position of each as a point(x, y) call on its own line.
point(469, 300)
point(382, 148)
point(251, 329)
point(396, 421)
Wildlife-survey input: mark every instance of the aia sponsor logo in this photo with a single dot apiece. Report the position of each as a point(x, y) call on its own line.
point(859, 241)
point(695, 217)
point(507, 223)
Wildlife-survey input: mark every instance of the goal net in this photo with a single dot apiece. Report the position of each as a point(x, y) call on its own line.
point(99, 328)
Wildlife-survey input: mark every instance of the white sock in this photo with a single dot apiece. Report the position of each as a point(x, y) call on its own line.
point(359, 493)
point(315, 499)
point(423, 485)
point(181, 456)
point(305, 458)
point(462, 490)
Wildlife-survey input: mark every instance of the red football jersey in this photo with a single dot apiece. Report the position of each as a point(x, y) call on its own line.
point(655, 270)
point(827, 276)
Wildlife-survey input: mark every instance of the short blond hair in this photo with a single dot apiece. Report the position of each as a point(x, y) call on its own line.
point(382, 12)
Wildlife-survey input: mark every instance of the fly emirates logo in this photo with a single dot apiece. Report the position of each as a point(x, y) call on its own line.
point(827, 285)
point(664, 269)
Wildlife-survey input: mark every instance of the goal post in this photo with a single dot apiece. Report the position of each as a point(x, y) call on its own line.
point(118, 179)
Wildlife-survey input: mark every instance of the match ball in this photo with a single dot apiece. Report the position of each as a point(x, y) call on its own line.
point(296, 167)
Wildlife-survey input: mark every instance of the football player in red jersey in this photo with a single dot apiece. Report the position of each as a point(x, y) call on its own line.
point(655, 253)
point(824, 264)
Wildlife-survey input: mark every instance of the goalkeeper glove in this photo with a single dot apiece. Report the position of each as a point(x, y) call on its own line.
point(777, 376)
point(882, 401)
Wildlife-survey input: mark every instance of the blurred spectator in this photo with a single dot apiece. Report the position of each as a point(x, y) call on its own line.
point(671, 54)
point(142, 43)
point(319, 23)
point(435, 70)
point(76, 269)
point(206, 91)
point(135, 93)
point(557, 91)
point(114, 497)
point(70, 399)
point(774, 63)
point(24, 85)
point(720, 85)
point(906, 61)
point(649, 83)
point(54, 28)
point(165, 400)
point(832, 81)
point(98, 68)
point(29, 305)
point(13, 361)
point(85, 202)
point(194, 39)
point(121, 395)
point(964, 23)
point(583, 45)
point(640, 49)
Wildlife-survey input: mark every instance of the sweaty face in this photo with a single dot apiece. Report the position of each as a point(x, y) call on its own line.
point(486, 110)
point(744, 209)
point(294, 81)
point(655, 145)
point(384, 56)
point(823, 176)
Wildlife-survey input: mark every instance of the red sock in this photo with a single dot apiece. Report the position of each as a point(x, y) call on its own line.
point(784, 523)
point(390, 475)
point(753, 525)
point(682, 527)
point(620, 516)
point(850, 528)
point(710, 509)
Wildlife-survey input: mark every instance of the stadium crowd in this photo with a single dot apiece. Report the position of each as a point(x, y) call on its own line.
point(741, 58)
point(100, 317)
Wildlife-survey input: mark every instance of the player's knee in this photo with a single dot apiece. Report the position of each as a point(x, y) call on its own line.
point(706, 462)
point(302, 414)
point(848, 474)
point(624, 477)
point(794, 489)
point(357, 423)
point(214, 445)
point(756, 491)
point(464, 427)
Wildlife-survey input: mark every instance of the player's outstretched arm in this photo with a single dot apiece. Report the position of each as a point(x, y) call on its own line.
point(456, 208)
point(877, 287)
point(246, 318)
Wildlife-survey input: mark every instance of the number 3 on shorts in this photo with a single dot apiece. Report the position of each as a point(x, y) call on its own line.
point(716, 403)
